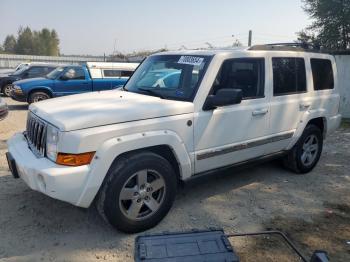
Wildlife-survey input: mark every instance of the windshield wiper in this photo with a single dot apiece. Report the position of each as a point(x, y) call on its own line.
point(151, 91)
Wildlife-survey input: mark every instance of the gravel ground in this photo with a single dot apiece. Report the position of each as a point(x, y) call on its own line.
point(312, 209)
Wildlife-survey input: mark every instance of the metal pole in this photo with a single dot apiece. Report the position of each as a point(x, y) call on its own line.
point(250, 38)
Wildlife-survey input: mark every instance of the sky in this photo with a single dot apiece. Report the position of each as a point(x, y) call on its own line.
point(107, 26)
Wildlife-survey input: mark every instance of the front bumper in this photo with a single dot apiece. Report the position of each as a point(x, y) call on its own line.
point(41, 174)
point(18, 96)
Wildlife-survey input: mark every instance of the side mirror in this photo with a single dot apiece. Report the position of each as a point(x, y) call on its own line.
point(223, 97)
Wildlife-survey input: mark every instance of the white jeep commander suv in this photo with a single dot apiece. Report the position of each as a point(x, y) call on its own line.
point(180, 115)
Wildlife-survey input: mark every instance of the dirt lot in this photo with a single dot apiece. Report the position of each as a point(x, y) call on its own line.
point(313, 209)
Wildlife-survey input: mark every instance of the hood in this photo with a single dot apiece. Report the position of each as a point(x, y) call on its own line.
point(3, 75)
point(34, 81)
point(105, 108)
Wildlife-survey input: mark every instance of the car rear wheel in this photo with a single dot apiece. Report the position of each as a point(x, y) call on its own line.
point(138, 192)
point(304, 156)
point(38, 96)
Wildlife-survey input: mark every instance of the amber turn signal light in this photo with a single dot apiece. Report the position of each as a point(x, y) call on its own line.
point(74, 159)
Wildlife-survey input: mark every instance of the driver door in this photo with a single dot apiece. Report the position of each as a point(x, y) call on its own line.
point(72, 81)
point(234, 133)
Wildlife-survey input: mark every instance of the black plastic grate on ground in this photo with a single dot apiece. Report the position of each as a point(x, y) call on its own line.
point(194, 246)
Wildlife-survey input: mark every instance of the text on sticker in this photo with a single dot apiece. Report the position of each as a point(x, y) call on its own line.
point(191, 60)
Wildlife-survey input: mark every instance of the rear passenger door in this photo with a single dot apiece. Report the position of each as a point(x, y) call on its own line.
point(289, 100)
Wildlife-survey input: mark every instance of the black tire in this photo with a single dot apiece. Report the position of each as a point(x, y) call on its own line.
point(38, 96)
point(6, 90)
point(113, 209)
point(294, 160)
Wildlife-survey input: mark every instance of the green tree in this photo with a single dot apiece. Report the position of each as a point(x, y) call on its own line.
point(330, 28)
point(25, 42)
point(9, 44)
point(43, 42)
point(53, 44)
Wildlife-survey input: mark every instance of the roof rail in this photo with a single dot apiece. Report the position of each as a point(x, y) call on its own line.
point(300, 47)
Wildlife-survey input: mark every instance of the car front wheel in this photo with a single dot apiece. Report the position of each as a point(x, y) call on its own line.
point(38, 96)
point(138, 192)
point(7, 90)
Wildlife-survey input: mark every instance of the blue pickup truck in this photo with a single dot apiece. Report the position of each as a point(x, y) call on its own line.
point(69, 80)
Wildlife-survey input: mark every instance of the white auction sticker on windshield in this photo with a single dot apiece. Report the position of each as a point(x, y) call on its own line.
point(191, 60)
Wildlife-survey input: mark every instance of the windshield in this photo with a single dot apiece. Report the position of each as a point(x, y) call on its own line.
point(55, 73)
point(169, 76)
point(19, 71)
point(21, 66)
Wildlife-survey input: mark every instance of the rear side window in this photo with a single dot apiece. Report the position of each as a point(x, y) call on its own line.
point(36, 71)
point(126, 73)
point(246, 74)
point(289, 76)
point(116, 73)
point(111, 73)
point(322, 73)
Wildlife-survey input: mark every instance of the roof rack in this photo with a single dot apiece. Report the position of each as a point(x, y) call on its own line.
point(300, 47)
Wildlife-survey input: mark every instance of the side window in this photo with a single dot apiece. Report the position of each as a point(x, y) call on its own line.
point(322, 73)
point(35, 71)
point(126, 73)
point(75, 74)
point(111, 73)
point(48, 70)
point(289, 76)
point(247, 74)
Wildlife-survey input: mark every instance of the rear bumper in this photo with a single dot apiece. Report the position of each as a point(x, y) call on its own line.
point(333, 123)
point(40, 174)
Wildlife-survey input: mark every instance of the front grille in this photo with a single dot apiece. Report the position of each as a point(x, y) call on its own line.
point(36, 134)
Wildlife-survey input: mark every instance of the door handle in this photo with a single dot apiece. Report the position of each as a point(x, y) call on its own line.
point(260, 112)
point(304, 106)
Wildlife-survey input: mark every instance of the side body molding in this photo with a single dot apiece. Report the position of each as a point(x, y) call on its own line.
point(114, 147)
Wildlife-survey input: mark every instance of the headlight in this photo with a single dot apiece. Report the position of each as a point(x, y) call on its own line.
point(51, 142)
point(17, 89)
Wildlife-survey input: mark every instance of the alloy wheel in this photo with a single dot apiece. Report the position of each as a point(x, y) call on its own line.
point(7, 90)
point(142, 195)
point(310, 150)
